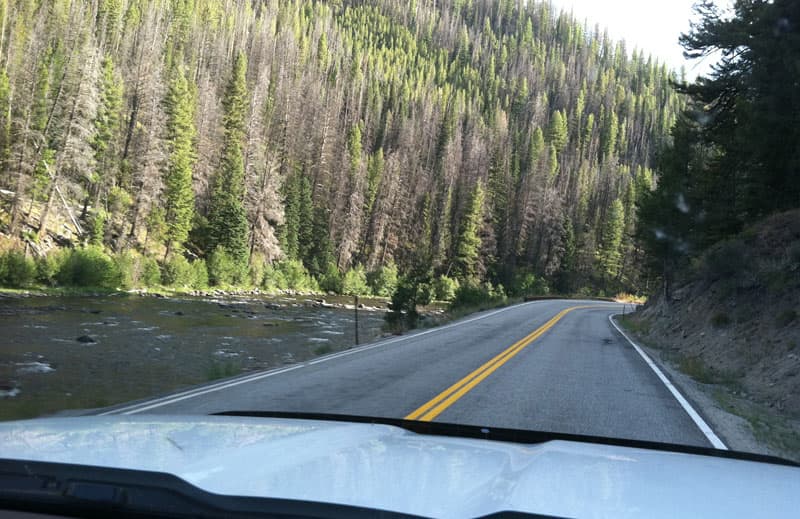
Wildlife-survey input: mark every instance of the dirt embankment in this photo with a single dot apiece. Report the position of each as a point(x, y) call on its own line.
point(734, 320)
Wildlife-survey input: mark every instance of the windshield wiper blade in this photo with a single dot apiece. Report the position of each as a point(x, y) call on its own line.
point(87, 491)
point(523, 436)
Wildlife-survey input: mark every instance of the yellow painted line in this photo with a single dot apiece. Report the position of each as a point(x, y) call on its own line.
point(449, 396)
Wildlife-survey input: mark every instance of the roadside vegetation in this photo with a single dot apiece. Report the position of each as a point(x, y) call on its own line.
point(90, 268)
point(721, 228)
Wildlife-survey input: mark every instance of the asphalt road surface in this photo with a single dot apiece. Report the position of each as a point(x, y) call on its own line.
point(555, 366)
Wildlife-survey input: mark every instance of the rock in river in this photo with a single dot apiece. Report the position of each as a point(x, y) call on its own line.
point(85, 339)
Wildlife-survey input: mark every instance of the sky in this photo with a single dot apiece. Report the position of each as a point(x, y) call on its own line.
point(649, 25)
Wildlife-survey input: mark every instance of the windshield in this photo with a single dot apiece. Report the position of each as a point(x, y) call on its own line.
point(568, 217)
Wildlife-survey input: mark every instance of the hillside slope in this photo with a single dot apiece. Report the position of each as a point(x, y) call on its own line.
point(734, 321)
point(363, 133)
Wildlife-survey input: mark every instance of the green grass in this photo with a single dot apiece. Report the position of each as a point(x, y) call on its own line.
point(696, 368)
point(636, 325)
point(767, 428)
point(217, 370)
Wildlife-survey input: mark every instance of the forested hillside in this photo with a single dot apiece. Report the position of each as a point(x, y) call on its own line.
point(735, 154)
point(495, 140)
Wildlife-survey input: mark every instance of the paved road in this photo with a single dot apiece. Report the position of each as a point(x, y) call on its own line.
point(547, 365)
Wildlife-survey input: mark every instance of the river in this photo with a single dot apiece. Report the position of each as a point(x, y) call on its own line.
point(135, 346)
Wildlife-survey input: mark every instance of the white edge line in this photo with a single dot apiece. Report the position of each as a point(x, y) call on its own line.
point(204, 390)
point(694, 415)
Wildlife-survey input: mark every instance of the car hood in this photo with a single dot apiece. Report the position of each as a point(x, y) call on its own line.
point(389, 468)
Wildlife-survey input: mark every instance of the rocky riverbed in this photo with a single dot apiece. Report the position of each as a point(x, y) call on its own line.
point(62, 353)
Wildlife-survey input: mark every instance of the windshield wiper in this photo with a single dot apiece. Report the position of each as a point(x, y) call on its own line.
point(512, 435)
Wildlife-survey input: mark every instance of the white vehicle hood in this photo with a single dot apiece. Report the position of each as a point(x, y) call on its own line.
point(385, 467)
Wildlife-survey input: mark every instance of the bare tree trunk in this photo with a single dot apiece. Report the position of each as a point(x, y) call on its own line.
point(54, 177)
point(17, 202)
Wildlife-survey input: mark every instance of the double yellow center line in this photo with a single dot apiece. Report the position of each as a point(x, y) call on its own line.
point(449, 396)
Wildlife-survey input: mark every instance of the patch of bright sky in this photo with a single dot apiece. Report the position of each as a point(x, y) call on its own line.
point(649, 25)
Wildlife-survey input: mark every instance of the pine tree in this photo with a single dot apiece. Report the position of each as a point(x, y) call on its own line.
point(609, 135)
point(228, 227)
point(178, 191)
point(469, 240)
point(323, 56)
point(609, 254)
point(305, 230)
point(559, 131)
point(535, 149)
point(552, 163)
point(106, 129)
point(320, 253)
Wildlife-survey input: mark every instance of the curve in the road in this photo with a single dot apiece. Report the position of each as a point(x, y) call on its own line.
point(449, 396)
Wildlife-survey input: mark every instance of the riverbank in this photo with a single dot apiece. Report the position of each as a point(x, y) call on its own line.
point(314, 299)
point(89, 351)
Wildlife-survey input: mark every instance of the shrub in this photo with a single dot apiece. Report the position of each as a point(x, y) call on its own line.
point(355, 282)
point(224, 269)
point(127, 264)
point(272, 279)
point(297, 277)
point(199, 274)
point(255, 272)
point(444, 288)
point(289, 275)
point(177, 272)
point(97, 226)
point(528, 284)
point(137, 270)
point(47, 267)
point(89, 267)
point(472, 293)
point(331, 279)
point(383, 281)
point(150, 274)
point(411, 293)
point(16, 269)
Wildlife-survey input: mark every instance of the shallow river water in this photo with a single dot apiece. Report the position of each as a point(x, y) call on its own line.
point(144, 346)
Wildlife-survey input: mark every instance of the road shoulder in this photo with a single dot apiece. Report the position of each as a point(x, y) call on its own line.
point(743, 425)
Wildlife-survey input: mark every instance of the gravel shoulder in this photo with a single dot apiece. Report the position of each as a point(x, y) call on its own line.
point(742, 424)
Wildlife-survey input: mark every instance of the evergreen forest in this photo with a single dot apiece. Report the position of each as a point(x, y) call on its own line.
point(334, 145)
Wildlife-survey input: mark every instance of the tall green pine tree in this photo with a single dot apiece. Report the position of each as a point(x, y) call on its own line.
point(228, 227)
point(609, 254)
point(469, 240)
point(178, 192)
